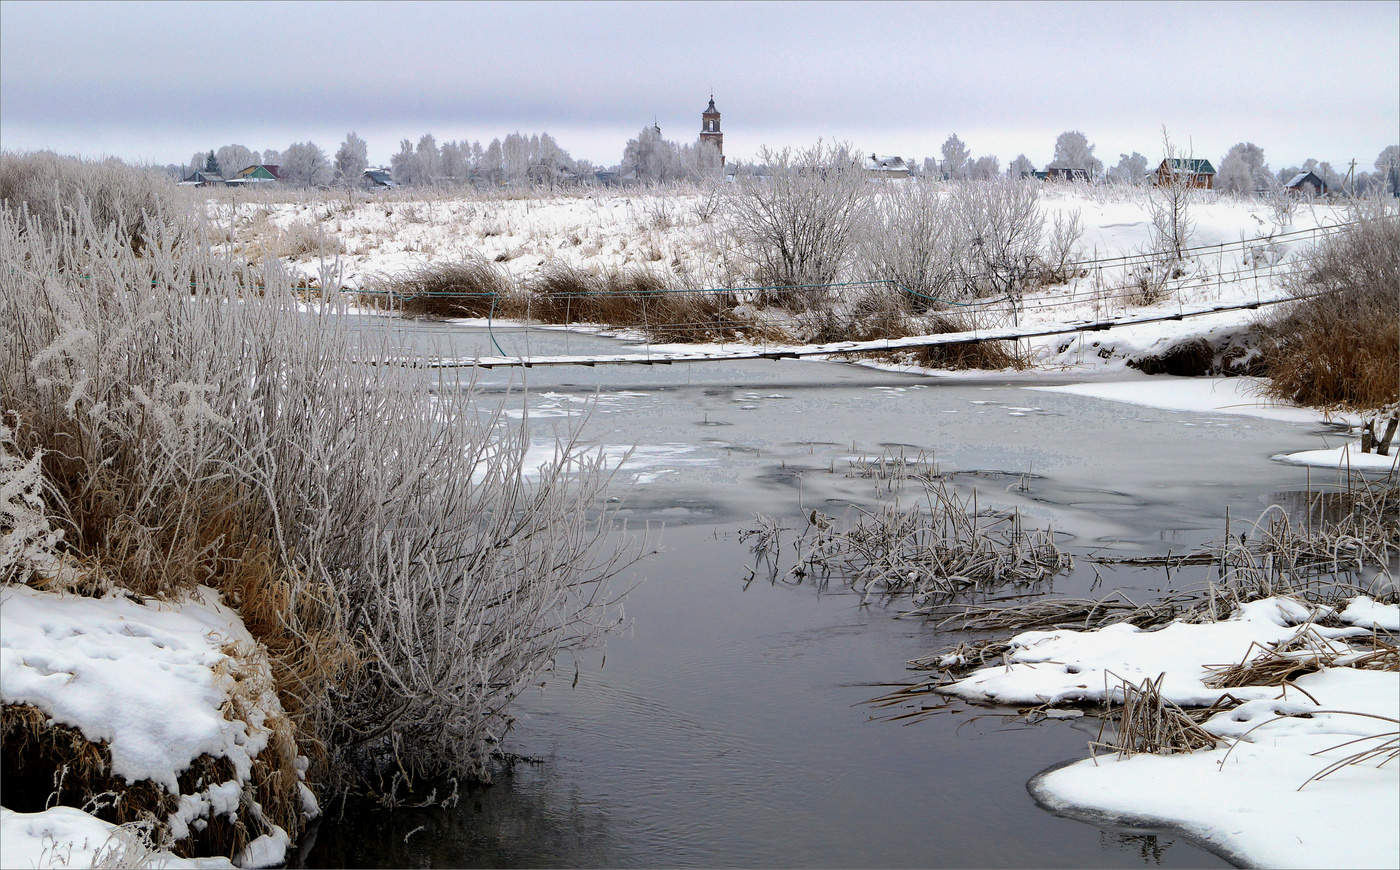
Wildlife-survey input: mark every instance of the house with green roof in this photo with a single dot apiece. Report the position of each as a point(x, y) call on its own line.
point(258, 173)
point(1194, 172)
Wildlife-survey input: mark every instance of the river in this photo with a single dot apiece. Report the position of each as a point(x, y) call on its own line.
point(728, 725)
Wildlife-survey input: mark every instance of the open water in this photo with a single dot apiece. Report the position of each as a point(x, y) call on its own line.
point(728, 726)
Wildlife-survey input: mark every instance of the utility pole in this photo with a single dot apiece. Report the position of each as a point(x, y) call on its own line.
point(1351, 177)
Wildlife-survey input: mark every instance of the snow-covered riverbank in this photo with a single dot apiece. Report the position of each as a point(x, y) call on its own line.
point(162, 690)
point(1278, 790)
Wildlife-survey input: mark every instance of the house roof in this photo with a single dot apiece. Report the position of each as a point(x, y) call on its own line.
point(1188, 164)
point(1302, 177)
point(260, 170)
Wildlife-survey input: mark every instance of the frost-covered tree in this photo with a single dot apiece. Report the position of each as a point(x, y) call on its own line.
point(1130, 169)
point(270, 157)
point(455, 164)
point(491, 161)
point(955, 155)
point(1242, 169)
point(1073, 151)
point(515, 157)
point(1020, 166)
point(351, 159)
point(984, 168)
point(651, 159)
point(305, 164)
point(235, 158)
point(1388, 167)
point(429, 159)
point(930, 167)
point(404, 164)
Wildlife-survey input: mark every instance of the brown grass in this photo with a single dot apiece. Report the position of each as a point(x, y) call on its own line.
point(972, 355)
point(1148, 722)
point(472, 287)
point(1340, 350)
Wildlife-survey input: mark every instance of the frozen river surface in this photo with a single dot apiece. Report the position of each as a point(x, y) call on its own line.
point(728, 725)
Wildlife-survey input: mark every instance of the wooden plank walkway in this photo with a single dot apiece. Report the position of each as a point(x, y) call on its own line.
point(743, 352)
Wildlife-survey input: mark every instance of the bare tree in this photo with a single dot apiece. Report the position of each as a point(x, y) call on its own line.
point(1001, 225)
point(913, 240)
point(1169, 203)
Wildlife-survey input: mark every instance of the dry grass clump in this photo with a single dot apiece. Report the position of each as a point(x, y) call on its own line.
point(471, 287)
point(971, 355)
point(637, 299)
point(1149, 722)
point(1339, 349)
point(43, 185)
point(305, 238)
point(934, 550)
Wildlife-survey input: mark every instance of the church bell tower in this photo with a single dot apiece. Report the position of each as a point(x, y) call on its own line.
point(709, 128)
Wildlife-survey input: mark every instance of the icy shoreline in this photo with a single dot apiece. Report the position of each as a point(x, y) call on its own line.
point(1268, 793)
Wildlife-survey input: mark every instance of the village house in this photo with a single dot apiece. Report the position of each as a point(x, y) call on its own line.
point(200, 178)
point(877, 166)
point(258, 173)
point(1306, 184)
point(1196, 173)
point(377, 179)
point(1064, 173)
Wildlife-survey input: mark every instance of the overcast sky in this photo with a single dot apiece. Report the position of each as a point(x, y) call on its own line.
point(157, 82)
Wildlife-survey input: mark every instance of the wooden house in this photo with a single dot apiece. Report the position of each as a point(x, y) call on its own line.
point(258, 173)
point(1196, 173)
point(1066, 173)
point(1306, 184)
point(200, 178)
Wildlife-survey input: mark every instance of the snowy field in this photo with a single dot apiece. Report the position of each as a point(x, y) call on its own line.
point(683, 237)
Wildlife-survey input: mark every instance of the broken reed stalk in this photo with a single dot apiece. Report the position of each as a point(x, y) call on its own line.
point(1280, 663)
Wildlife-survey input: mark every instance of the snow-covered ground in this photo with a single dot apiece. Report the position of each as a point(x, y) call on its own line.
point(160, 684)
point(1251, 797)
point(69, 837)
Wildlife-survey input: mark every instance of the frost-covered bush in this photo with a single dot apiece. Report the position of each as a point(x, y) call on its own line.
point(798, 223)
point(375, 526)
point(1000, 224)
point(915, 240)
point(43, 184)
